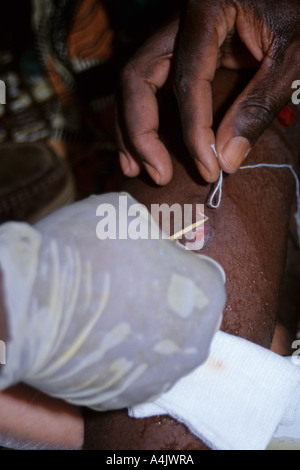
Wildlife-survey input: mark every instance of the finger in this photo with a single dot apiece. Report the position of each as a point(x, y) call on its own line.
point(139, 114)
point(141, 123)
point(255, 109)
point(235, 55)
point(203, 32)
point(130, 166)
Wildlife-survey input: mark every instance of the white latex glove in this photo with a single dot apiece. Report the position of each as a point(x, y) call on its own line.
point(104, 324)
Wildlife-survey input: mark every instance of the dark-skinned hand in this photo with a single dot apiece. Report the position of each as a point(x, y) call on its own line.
point(194, 46)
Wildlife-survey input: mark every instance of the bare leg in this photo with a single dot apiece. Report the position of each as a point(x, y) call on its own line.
point(289, 306)
point(31, 420)
point(248, 236)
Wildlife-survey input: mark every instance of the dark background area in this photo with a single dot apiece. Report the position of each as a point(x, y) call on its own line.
point(15, 30)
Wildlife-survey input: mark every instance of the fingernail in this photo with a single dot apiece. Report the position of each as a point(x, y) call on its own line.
point(125, 164)
point(154, 174)
point(234, 153)
point(209, 174)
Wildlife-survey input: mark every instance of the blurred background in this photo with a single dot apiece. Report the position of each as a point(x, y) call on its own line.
point(60, 62)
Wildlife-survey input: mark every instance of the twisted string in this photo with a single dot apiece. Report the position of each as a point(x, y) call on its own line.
point(215, 197)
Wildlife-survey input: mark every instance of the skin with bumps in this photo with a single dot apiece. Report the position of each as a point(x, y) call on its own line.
point(248, 236)
point(240, 237)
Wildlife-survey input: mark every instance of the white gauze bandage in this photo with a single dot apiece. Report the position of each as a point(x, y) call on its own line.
point(236, 400)
point(104, 323)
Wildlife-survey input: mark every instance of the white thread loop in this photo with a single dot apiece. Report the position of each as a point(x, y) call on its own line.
point(215, 198)
point(216, 194)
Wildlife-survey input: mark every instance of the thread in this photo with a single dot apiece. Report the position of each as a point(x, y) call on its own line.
point(215, 198)
point(218, 188)
point(216, 192)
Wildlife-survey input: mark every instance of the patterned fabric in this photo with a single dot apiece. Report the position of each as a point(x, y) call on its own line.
point(74, 37)
point(75, 45)
point(77, 40)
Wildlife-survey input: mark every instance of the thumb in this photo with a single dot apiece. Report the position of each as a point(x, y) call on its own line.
point(252, 113)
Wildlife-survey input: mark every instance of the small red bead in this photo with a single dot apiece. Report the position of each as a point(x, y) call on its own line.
point(287, 116)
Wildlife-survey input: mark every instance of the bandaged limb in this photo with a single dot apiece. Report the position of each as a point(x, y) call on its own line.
point(104, 323)
point(30, 419)
point(3, 324)
point(247, 236)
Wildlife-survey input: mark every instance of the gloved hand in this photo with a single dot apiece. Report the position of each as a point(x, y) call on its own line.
point(213, 33)
point(103, 323)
